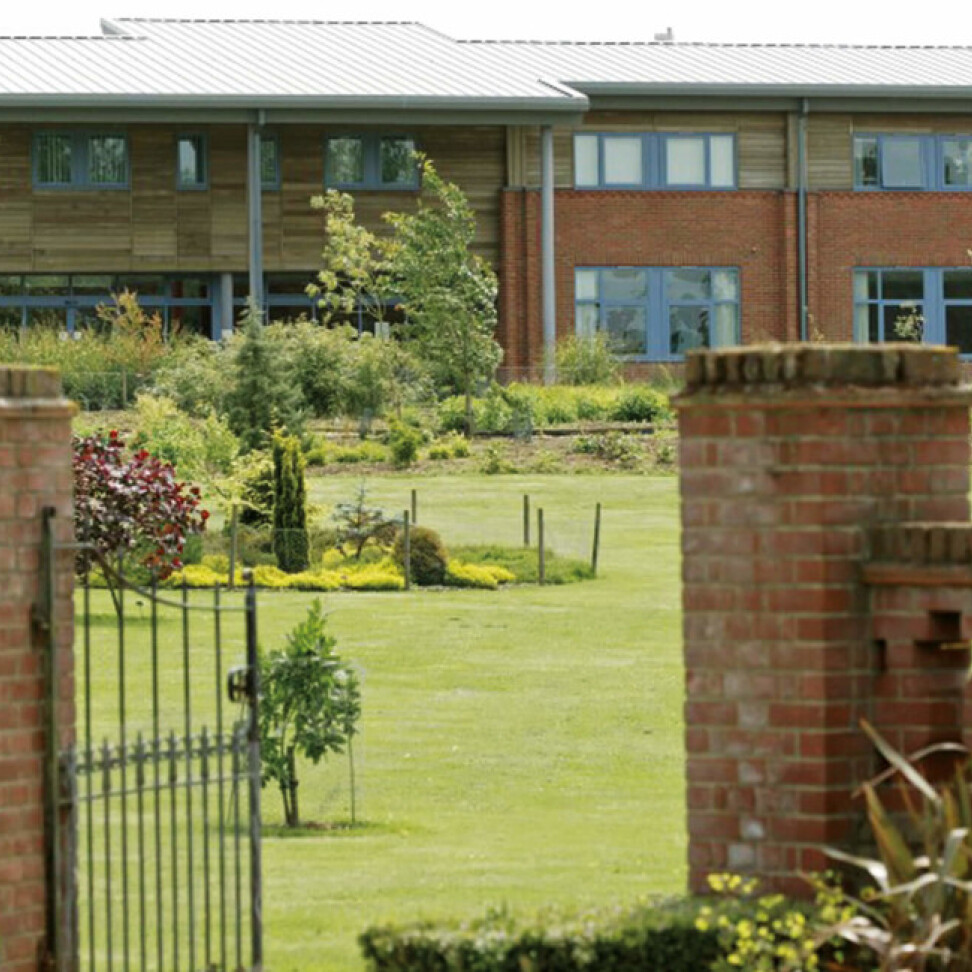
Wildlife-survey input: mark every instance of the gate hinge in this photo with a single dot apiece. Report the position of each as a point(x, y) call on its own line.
point(240, 684)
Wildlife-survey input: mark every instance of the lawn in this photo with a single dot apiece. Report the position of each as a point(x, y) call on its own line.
point(519, 747)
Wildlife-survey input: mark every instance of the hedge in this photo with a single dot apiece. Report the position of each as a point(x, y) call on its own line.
point(651, 937)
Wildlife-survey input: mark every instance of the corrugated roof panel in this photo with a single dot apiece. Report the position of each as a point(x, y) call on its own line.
point(740, 65)
point(316, 62)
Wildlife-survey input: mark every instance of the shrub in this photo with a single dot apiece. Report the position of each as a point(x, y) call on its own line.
point(318, 360)
point(197, 375)
point(373, 577)
point(524, 563)
point(196, 575)
point(654, 937)
point(404, 441)
point(428, 555)
point(615, 447)
point(495, 462)
point(459, 574)
point(290, 542)
point(256, 490)
point(216, 562)
point(357, 525)
point(587, 361)
point(640, 403)
point(200, 449)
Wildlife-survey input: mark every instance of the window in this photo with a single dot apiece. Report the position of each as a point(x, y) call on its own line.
point(914, 304)
point(370, 162)
point(654, 161)
point(937, 162)
point(658, 313)
point(270, 161)
point(80, 160)
point(192, 170)
point(69, 303)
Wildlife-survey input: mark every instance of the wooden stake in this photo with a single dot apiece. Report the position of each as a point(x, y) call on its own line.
point(232, 553)
point(415, 507)
point(526, 520)
point(408, 551)
point(542, 553)
point(597, 539)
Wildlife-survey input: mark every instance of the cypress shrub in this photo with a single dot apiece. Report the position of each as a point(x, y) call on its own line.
point(428, 556)
point(290, 540)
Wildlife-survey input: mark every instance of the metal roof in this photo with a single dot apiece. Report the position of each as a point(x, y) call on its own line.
point(406, 66)
point(269, 63)
point(758, 68)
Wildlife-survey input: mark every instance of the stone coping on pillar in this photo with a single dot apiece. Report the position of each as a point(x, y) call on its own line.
point(839, 372)
point(33, 390)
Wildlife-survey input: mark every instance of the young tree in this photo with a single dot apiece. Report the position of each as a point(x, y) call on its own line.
point(448, 293)
point(290, 542)
point(309, 707)
point(354, 272)
point(261, 398)
point(131, 504)
point(358, 524)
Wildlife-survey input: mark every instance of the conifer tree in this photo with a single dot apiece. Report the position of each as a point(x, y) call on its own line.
point(290, 541)
point(261, 398)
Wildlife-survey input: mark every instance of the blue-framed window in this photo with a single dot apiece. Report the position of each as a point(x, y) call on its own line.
point(80, 160)
point(371, 161)
point(270, 161)
point(67, 303)
point(915, 162)
point(192, 161)
point(654, 160)
point(658, 313)
point(914, 304)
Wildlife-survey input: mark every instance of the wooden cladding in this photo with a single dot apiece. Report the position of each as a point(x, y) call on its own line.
point(154, 226)
point(760, 137)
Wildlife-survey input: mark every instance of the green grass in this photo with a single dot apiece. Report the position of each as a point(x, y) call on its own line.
point(520, 747)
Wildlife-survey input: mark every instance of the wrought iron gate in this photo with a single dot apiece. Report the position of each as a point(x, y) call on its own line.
point(161, 864)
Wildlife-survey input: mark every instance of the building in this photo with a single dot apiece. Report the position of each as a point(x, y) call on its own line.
point(675, 195)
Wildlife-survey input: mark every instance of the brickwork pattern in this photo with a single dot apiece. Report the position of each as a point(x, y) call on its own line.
point(789, 456)
point(35, 471)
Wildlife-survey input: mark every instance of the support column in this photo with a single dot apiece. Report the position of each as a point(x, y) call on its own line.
point(254, 199)
point(547, 246)
point(791, 457)
point(224, 326)
point(35, 474)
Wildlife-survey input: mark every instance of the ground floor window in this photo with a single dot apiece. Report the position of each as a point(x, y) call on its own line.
point(68, 303)
point(658, 313)
point(914, 304)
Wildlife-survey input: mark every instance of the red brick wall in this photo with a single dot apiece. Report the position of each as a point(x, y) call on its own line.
point(754, 231)
point(780, 485)
point(35, 471)
point(886, 229)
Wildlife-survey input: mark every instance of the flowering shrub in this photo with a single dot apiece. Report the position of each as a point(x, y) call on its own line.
point(132, 504)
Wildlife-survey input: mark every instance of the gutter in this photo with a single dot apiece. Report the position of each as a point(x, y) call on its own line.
point(802, 216)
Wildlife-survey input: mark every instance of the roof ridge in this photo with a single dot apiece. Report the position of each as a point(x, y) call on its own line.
point(719, 44)
point(268, 20)
point(70, 37)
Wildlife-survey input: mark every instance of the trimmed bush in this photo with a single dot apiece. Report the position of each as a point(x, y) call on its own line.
point(640, 403)
point(524, 563)
point(459, 574)
point(428, 556)
point(373, 577)
point(655, 937)
point(404, 441)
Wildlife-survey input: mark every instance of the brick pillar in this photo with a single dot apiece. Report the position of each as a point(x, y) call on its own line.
point(35, 472)
point(789, 456)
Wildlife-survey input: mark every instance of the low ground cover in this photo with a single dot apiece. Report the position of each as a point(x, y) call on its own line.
point(520, 748)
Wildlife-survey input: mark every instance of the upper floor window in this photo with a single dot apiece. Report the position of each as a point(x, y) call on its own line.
point(654, 160)
point(914, 304)
point(940, 162)
point(81, 160)
point(192, 167)
point(270, 161)
point(370, 162)
point(658, 313)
